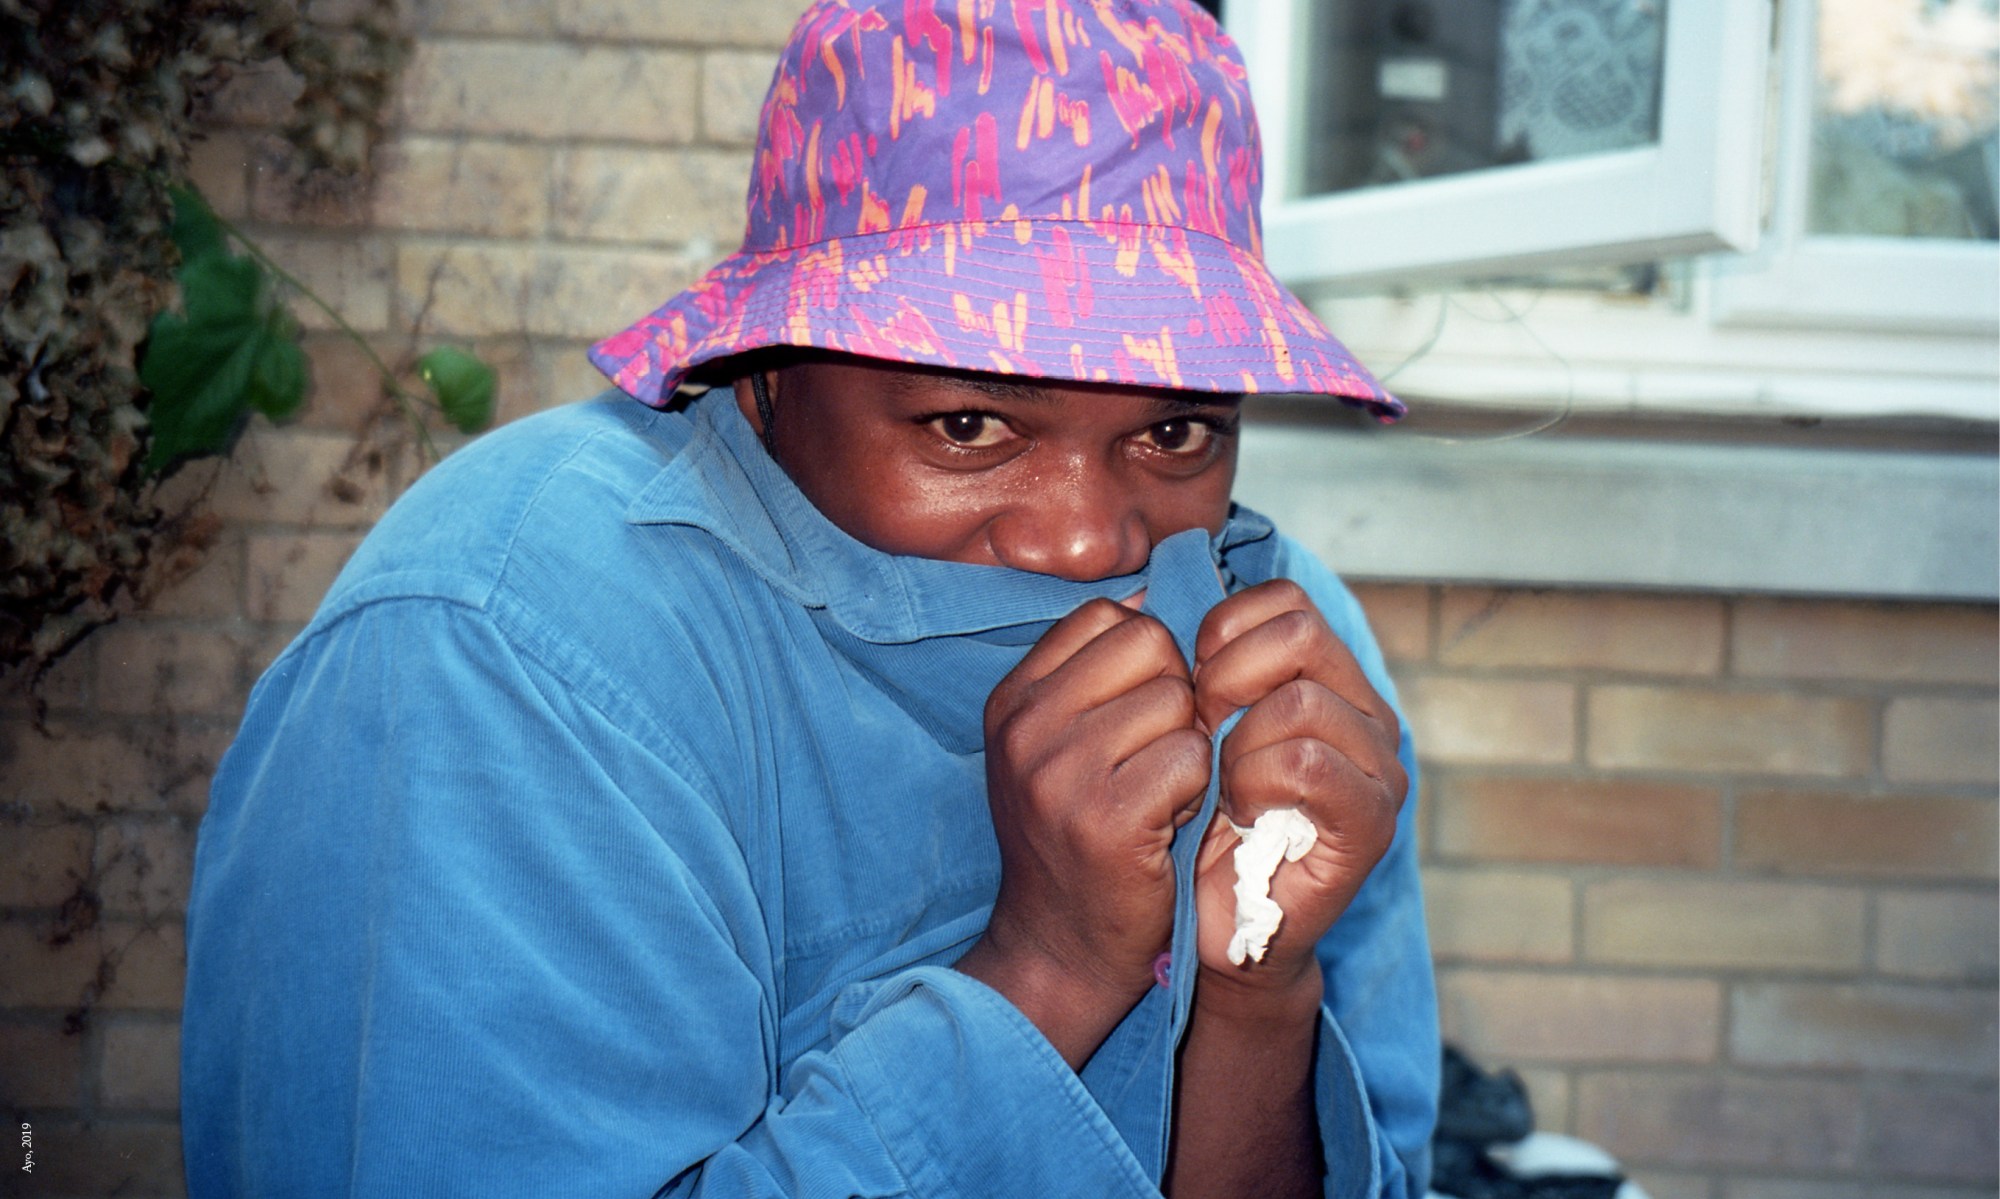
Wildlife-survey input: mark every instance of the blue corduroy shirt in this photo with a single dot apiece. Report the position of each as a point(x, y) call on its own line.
point(613, 827)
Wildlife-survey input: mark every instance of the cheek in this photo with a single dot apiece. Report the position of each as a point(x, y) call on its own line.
point(900, 509)
point(1202, 502)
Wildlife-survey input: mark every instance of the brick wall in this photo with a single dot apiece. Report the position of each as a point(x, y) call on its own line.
point(1717, 874)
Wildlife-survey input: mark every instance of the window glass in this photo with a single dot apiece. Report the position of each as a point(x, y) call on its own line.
point(1903, 127)
point(1397, 90)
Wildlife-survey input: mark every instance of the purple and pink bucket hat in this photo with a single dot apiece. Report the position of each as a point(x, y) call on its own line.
point(1065, 189)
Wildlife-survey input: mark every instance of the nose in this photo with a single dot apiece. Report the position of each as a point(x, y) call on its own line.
point(1083, 527)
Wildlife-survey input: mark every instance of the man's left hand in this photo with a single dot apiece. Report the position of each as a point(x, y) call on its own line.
point(1316, 737)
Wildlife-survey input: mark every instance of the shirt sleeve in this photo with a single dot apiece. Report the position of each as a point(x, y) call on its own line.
point(1377, 1071)
point(453, 932)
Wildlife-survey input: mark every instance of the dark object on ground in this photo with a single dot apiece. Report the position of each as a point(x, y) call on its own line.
point(1481, 1108)
point(1477, 1111)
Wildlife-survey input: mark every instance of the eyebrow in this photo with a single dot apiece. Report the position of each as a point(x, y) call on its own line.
point(1034, 393)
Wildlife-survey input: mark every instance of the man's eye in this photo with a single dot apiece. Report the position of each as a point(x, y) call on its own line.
point(1180, 436)
point(975, 430)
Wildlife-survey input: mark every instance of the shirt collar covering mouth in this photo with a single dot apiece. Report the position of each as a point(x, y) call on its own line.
point(724, 483)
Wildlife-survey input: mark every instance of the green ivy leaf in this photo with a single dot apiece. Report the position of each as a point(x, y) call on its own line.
point(463, 385)
point(228, 350)
point(278, 377)
point(198, 373)
point(196, 231)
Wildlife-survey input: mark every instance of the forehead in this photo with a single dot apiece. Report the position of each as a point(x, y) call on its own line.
point(847, 378)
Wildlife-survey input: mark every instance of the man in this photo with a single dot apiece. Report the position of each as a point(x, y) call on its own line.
point(831, 785)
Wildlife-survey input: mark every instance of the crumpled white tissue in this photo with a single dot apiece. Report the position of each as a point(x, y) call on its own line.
point(1281, 833)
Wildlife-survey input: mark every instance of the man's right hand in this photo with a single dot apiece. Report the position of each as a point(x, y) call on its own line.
point(1093, 758)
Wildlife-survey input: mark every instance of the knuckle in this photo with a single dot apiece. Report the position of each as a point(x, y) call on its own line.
point(1171, 697)
point(1154, 638)
point(1013, 737)
point(1289, 592)
point(1189, 753)
point(1296, 630)
point(1397, 780)
point(1309, 765)
point(1101, 613)
point(1296, 705)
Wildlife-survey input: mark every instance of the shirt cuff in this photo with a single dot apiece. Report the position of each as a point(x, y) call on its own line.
point(1347, 1129)
point(970, 1097)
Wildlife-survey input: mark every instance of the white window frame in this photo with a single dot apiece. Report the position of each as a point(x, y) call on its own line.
point(1799, 279)
point(1824, 333)
point(1702, 179)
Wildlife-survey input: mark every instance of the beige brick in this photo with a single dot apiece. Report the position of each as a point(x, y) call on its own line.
point(1793, 832)
point(63, 691)
point(285, 476)
point(566, 374)
point(1666, 1184)
point(92, 771)
point(37, 974)
point(741, 23)
point(141, 1066)
point(284, 192)
point(1552, 630)
point(470, 290)
point(494, 189)
point(148, 965)
point(146, 866)
point(1872, 1027)
point(184, 761)
point(552, 92)
point(153, 667)
point(1521, 1017)
point(1708, 923)
point(1581, 821)
point(1400, 617)
point(1549, 1096)
point(1931, 643)
point(1498, 916)
point(1792, 1188)
point(211, 587)
point(219, 168)
point(596, 292)
point(431, 17)
point(346, 389)
point(40, 1065)
point(1489, 721)
point(1936, 1133)
point(41, 861)
point(105, 1158)
point(1767, 732)
point(1926, 740)
point(733, 86)
point(652, 196)
point(112, 965)
point(350, 273)
point(1704, 1120)
point(289, 574)
point(1946, 935)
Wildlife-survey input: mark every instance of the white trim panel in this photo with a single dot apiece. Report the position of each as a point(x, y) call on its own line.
point(1603, 513)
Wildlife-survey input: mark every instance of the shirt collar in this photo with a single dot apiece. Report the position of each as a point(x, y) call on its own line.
point(723, 481)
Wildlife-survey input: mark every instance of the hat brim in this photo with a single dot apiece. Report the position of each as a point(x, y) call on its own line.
point(1088, 301)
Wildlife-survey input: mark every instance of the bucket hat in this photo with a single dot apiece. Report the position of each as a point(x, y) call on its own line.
point(1065, 189)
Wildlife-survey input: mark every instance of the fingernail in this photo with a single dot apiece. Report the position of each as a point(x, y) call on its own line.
point(1163, 969)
